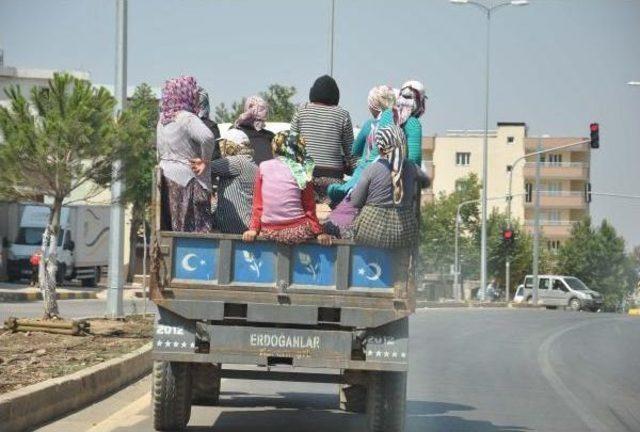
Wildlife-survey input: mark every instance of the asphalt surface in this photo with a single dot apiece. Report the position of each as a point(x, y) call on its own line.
point(470, 370)
point(69, 308)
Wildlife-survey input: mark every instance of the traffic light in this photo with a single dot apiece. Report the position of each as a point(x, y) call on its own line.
point(587, 192)
point(508, 237)
point(595, 135)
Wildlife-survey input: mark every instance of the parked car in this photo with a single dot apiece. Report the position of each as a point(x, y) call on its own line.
point(564, 291)
point(518, 297)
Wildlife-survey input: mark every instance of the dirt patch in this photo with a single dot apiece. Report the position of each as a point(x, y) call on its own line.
point(28, 358)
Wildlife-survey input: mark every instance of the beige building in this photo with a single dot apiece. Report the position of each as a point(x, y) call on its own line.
point(563, 174)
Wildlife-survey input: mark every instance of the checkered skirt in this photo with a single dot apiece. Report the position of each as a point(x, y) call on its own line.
point(387, 227)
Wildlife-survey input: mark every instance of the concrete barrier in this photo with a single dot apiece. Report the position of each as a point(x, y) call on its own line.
point(25, 408)
point(8, 296)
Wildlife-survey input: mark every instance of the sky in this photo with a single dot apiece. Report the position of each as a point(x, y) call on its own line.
point(555, 64)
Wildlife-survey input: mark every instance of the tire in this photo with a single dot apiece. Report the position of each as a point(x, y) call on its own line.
point(353, 398)
point(206, 384)
point(386, 401)
point(91, 282)
point(575, 304)
point(171, 394)
point(61, 273)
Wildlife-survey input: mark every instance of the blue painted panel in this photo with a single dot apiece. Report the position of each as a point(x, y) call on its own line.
point(254, 262)
point(314, 265)
point(371, 268)
point(195, 259)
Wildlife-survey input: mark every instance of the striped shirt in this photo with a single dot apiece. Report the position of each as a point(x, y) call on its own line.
point(235, 192)
point(328, 132)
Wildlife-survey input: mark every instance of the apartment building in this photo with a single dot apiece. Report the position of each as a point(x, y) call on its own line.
point(563, 174)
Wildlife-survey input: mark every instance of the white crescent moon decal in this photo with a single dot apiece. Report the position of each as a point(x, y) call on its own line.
point(377, 271)
point(185, 262)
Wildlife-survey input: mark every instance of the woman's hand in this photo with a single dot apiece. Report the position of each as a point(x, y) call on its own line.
point(197, 166)
point(325, 239)
point(249, 236)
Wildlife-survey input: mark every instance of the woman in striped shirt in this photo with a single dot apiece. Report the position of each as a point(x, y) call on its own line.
point(236, 172)
point(328, 132)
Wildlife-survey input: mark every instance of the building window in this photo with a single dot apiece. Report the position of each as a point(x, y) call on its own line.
point(463, 159)
point(528, 187)
point(553, 245)
point(555, 159)
point(510, 140)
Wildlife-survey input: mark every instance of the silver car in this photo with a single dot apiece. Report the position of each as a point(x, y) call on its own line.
point(564, 291)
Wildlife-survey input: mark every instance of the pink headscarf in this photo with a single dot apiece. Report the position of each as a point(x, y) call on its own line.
point(255, 113)
point(178, 94)
point(411, 102)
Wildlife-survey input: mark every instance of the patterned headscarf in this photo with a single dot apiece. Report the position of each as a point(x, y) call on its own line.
point(255, 113)
point(392, 143)
point(234, 142)
point(203, 104)
point(291, 149)
point(178, 94)
point(411, 102)
point(380, 98)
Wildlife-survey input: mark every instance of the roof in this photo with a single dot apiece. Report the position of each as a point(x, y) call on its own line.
point(523, 124)
point(40, 74)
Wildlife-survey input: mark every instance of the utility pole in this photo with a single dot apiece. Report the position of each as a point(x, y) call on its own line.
point(332, 35)
point(536, 224)
point(116, 231)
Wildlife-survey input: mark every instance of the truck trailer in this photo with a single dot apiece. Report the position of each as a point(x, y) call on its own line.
point(224, 304)
point(83, 241)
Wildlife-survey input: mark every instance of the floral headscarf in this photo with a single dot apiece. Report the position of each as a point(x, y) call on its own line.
point(255, 113)
point(380, 98)
point(178, 94)
point(411, 102)
point(234, 142)
point(203, 104)
point(291, 149)
point(392, 143)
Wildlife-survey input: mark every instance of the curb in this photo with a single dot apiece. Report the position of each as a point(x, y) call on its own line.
point(35, 296)
point(25, 408)
point(494, 305)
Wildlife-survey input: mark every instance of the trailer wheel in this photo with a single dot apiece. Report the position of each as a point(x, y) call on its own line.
point(171, 395)
point(353, 398)
point(386, 401)
point(206, 384)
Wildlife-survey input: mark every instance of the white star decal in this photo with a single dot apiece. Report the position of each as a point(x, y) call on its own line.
point(202, 262)
point(370, 352)
point(159, 342)
point(386, 353)
point(394, 354)
point(378, 353)
point(184, 344)
point(193, 345)
point(167, 344)
point(175, 344)
point(403, 355)
point(361, 271)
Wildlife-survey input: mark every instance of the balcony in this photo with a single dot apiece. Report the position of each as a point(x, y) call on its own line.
point(558, 170)
point(531, 144)
point(559, 199)
point(552, 228)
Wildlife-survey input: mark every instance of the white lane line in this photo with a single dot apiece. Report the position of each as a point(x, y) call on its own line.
point(128, 416)
point(584, 414)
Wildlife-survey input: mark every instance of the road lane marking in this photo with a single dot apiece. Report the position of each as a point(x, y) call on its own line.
point(128, 416)
point(590, 420)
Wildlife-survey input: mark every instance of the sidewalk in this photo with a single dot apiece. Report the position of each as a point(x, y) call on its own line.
point(19, 292)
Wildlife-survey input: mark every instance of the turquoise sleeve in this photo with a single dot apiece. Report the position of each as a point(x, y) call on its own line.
point(358, 145)
point(413, 131)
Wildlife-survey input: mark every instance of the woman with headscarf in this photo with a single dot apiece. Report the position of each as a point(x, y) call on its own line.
point(380, 98)
point(386, 194)
point(252, 122)
point(185, 145)
point(283, 200)
point(327, 129)
point(409, 107)
point(236, 173)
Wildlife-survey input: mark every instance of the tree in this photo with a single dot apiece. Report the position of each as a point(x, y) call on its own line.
point(437, 244)
point(281, 109)
point(137, 150)
point(597, 257)
point(57, 141)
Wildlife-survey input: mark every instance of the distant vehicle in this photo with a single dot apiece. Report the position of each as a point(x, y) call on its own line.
point(83, 240)
point(564, 291)
point(518, 297)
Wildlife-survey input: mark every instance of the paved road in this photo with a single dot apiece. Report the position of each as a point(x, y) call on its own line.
point(471, 370)
point(68, 308)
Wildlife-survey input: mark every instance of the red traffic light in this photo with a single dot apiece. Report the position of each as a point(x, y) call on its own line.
point(594, 127)
point(507, 234)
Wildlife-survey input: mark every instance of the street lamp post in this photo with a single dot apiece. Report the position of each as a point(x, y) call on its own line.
point(488, 10)
point(332, 31)
point(116, 231)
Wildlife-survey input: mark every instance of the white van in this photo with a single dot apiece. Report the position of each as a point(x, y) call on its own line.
point(565, 291)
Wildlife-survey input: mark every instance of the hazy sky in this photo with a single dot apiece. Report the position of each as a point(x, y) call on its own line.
point(556, 64)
